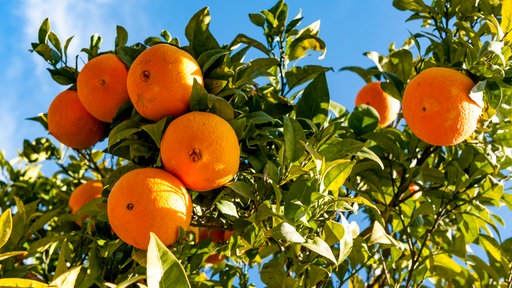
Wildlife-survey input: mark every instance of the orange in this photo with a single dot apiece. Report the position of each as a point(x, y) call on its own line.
point(148, 200)
point(201, 149)
point(160, 81)
point(71, 124)
point(85, 193)
point(101, 86)
point(386, 105)
point(437, 107)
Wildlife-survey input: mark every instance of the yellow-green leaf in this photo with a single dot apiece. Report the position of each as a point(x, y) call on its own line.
point(18, 282)
point(11, 254)
point(506, 20)
point(5, 227)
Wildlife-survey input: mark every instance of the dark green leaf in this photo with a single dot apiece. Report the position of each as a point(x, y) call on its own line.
point(363, 120)
point(199, 98)
point(198, 34)
point(257, 19)
point(242, 38)
point(121, 36)
point(44, 30)
point(293, 136)
point(314, 102)
point(254, 69)
point(128, 54)
point(241, 188)
point(298, 75)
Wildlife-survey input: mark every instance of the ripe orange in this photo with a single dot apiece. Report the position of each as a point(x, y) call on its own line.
point(437, 107)
point(71, 124)
point(148, 200)
point(387, 106)
point(160, 81)
point(101, 86)
point(84, 193)
point(201, 149)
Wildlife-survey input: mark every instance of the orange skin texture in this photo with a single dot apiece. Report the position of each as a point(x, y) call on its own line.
point(148, 200)
point(201, 149)
point(85, 193)
point(102, 87)
point(387, 106)
point(437, 107)
point(160, 81)
point(71, 124)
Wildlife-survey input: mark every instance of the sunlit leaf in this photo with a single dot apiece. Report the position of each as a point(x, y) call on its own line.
point(287, 232)
point(227, 208)
point(319, 246)
point(5, 227)
point(18, 282)
point(336, 173)
point(163, 268)
point(9, 254)
point(506, 20)
point(68, 278)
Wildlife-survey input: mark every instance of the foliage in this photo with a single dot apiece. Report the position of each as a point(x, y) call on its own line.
point(308, 167)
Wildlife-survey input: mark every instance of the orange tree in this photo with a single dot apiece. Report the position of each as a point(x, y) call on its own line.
point(322, 195)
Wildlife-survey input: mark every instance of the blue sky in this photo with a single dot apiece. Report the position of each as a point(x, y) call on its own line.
point(349, 28)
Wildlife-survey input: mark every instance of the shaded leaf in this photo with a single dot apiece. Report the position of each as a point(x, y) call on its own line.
point(241, 188)
point(293, 135)
point(298, 75)
point(314, 102)
point(364, 119)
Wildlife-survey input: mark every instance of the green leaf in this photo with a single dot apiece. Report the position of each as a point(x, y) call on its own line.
point(285, 231)
point(298, 75)
point(491, 246)
point(163, 268)
point(336, 173)
point(227, 208)
point(44, 31)
point(156, 130)
point(333, 232)
point(241, 188)
point(198, 98)
point(257, 19)
point(306, 40)
point(319, 246)
point(293, 136)
point(54, 39)
point(363, 120)
point(244, 39)
point(198, 34)
point(256, 68)
point(5, 226)
point(128, 54)
point(314, 102)
point(401, 64)
point(18, 282)
point(121, 36)
point(446, 264)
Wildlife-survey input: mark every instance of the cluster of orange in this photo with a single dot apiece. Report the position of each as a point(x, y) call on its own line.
point(436, 105)
point(199, 150)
